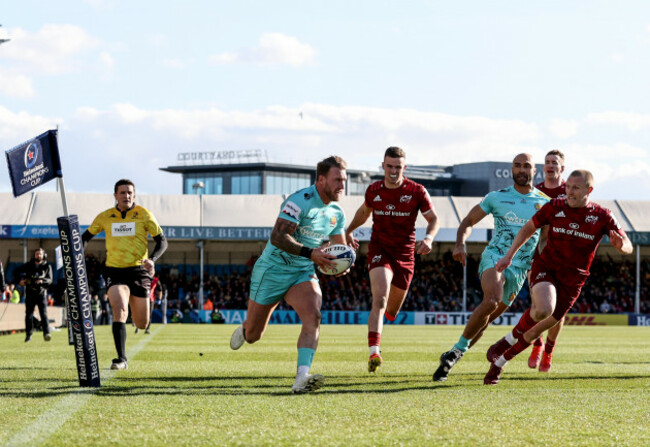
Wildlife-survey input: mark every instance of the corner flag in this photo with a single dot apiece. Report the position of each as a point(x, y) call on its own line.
point(34, 162)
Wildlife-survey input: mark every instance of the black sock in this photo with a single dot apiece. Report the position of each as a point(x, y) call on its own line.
point(119, 336)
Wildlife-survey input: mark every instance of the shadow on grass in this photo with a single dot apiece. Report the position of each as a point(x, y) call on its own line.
point(569, 377)
point(267, 390)
point(23, 368)
point(596, 362)
point(245, 385)
point(280, 385)
point(50, 392)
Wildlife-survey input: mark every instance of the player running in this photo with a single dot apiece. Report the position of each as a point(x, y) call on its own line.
point(554, 187)
point(576, 227)
point(394, 203)
point(128, 269)
point(286, 267)
point(511, 208)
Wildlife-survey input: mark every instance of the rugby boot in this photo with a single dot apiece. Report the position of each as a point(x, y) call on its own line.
point(47, 336)
point(237, 340)
point(535, 356)
point(119, 364)
point(545, 365)
point(496, 350)
point(493, 375)
point(307, 383)
point(374, 363)
point(447, 361)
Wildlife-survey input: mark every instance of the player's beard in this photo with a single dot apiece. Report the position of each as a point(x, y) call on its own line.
point(333, 195)
point(522, 179)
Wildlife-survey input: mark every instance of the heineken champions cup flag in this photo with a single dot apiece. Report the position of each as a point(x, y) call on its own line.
point(34, 162)
point(31, 165)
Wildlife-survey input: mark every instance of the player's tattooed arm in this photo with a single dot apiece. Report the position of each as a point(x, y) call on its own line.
point(282, 237)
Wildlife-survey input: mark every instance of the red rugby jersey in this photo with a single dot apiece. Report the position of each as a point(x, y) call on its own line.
point(394, 212)
point(553, 193)
point(574, 233)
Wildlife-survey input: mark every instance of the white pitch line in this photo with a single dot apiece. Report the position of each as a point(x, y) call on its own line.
point(58, 414)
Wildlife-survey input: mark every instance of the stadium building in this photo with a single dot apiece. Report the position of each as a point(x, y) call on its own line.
point(230, 201)
point(250, 172)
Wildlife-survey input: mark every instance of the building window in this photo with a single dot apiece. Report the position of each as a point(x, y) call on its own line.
point(285, 183)
point(356, 187)
point(211, 184)
point(214, 185)
point(246, 184)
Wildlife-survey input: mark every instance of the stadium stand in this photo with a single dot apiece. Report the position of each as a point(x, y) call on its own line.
point(220, 221)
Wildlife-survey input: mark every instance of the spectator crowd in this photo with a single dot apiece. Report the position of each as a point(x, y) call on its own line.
point(437, 286)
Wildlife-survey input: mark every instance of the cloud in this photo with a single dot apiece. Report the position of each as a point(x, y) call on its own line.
point(107, 60)
point(273, 49)
point(151, 139)
point(18, 127)
point(101, 4)
point(16, 85)
point(616, 167)
point(54, 49)
point(563, 128)
point(617, 58)
point(629, 120)
point(157, 40)
point(173, 63)
point(360, 134)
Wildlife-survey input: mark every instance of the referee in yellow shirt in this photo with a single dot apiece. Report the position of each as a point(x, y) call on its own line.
point(129, 269)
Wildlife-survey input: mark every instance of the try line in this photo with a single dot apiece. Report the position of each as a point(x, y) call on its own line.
point(49, 422)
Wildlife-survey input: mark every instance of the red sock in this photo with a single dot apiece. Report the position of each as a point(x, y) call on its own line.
point(550, 345)
point(539, 342)
point(390, 317)
point(516, 349)
point(525, 323)
point(374, 338)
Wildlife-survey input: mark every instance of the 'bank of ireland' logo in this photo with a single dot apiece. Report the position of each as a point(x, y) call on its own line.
point(31, 154)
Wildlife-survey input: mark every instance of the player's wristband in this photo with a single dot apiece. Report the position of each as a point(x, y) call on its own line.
point(305, 252)
point(153, 259)
point(428, 237)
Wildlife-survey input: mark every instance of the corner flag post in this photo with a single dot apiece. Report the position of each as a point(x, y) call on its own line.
point(32, 164)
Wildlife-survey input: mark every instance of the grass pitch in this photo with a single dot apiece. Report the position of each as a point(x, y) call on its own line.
point(184, 386)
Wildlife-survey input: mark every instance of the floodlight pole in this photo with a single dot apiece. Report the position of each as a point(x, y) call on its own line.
point(465, 287)
point(198, 186)
point(637, 292)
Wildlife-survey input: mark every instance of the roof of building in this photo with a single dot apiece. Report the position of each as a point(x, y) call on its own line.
point(254, 211)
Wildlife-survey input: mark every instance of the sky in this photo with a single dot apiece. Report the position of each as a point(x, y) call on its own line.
point(131, 85)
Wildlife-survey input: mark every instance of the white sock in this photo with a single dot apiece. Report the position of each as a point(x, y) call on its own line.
point(501, 362)
point(511, 339)
point(303, 370)
point(373, 350)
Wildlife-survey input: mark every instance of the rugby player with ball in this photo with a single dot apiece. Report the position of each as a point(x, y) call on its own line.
point(286, 267)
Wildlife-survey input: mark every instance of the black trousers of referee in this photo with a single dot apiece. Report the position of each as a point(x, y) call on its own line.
point(35, 299)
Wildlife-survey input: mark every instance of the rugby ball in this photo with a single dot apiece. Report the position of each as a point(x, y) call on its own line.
point(345, 257)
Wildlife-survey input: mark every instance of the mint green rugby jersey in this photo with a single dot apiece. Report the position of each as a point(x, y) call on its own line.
point(511, 210)
point(316, 222)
